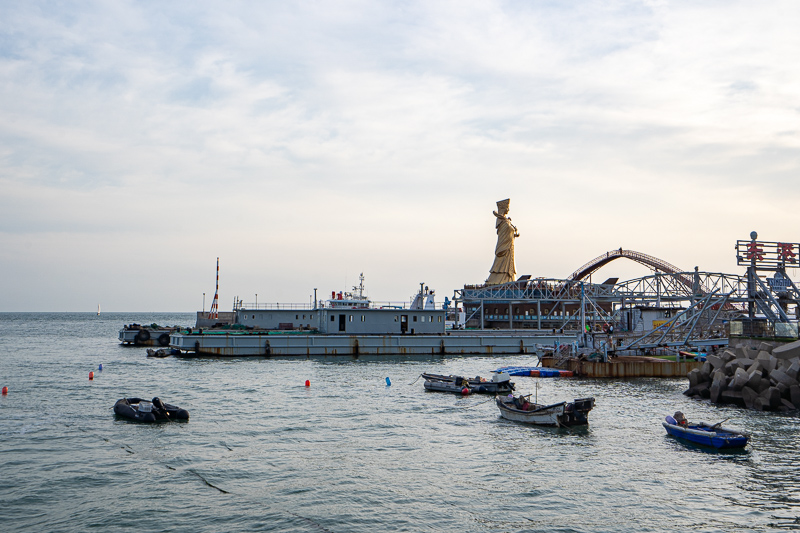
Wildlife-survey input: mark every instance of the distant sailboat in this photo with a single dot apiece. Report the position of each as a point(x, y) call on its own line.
point(98, 309)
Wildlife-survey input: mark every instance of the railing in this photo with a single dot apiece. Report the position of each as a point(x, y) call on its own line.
point(763, 328)
point(324, 304)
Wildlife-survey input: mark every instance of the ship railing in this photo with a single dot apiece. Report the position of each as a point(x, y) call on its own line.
point(324, 304)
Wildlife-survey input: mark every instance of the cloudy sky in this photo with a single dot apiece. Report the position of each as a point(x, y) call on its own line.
point(306, 142)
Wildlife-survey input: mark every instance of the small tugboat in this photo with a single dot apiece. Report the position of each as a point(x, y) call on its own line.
point(499, 384)
point(149, 411)
point(713, 435)
point(519, 409)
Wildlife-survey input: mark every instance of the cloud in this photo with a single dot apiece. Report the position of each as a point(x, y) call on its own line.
point(308, 142)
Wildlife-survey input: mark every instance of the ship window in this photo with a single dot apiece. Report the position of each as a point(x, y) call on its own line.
point(440, 319)
point(304, 317)
point(395, 318)
point(333, 318)
point(362, 318)
point(297, 317)
point(415, 318)
point(351, 318)
point(254, 317)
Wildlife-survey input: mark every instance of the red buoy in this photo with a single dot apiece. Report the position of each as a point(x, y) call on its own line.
point(308, 383)
point(465, 391)
point(91, 375)
point(5, 391)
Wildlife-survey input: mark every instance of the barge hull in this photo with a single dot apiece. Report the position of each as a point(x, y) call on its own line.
point(264, 344)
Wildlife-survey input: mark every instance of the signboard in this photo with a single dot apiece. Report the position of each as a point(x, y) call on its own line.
point(778, 284)
point(767, 255)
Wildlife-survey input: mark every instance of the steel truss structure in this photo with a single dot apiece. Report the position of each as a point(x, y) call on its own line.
point(701, 300)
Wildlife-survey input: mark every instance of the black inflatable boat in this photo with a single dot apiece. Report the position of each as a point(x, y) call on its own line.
point(149, 410)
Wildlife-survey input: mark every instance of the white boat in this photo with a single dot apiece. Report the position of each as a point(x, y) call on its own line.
point(519, 409)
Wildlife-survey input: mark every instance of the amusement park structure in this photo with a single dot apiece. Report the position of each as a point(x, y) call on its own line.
point(671, 307)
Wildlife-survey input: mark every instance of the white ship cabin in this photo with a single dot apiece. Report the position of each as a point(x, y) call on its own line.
point(349, 314)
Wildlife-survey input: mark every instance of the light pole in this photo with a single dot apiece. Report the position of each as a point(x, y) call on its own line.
point(256, 300)
point(204, 302)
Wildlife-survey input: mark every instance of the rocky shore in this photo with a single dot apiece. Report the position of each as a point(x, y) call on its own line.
point(756, 375)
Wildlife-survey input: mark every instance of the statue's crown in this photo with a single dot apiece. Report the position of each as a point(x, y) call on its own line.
point(503, 204)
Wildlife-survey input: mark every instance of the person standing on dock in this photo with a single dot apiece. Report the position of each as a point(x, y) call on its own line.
point(503, 269)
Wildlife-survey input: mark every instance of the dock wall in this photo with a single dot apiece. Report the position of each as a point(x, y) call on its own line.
point(620, 368)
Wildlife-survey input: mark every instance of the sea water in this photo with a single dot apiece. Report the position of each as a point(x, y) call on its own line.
point(349, 453)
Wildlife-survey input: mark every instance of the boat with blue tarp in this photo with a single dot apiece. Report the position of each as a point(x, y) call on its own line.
point(535, 371)
point(713, 435)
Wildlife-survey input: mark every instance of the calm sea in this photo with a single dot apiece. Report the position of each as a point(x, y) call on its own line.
point(350, 454)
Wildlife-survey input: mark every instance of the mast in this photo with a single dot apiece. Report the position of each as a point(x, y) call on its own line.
point(214, 311)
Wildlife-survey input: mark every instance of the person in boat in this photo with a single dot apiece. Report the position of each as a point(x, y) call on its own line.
point(522, 403)
point(680, 419)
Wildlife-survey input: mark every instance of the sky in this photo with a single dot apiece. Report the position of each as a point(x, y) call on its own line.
point(306, 142)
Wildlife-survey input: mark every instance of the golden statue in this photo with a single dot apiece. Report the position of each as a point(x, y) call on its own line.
point(503, 269)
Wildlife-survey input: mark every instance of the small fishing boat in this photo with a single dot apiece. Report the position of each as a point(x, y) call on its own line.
point(149, 411)
point(706, 434)
point(520, 409)
point(499, 384)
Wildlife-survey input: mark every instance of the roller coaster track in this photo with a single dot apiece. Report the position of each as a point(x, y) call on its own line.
point(647, 260)
point(686, 279)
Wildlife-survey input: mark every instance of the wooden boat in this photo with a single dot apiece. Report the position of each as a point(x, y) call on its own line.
point(706, 434)
point(149, 411)
point(519, 409)
point(499, 384)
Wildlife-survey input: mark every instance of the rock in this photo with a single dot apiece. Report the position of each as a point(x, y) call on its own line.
point(731, 366)
point(714, 391)
point(765, 347)
point(794, 369)
point(760, 404)
point(740, 350)
point(766, 361)
point(732, 396)
point(772, 397)
point(740, 379)
point(789, 405)
point(787, 351)
point(715, 361)
point(794, 394)
point(703, 389)
point(749, 397)
point(754, 380)
point(782, 377)
point(694, 377)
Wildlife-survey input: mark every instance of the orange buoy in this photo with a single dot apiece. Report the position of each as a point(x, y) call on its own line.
point(308, 383)
point(5, 391)
point(91, 375)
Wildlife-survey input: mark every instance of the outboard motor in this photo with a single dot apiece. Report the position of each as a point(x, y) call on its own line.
point(501, 377)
